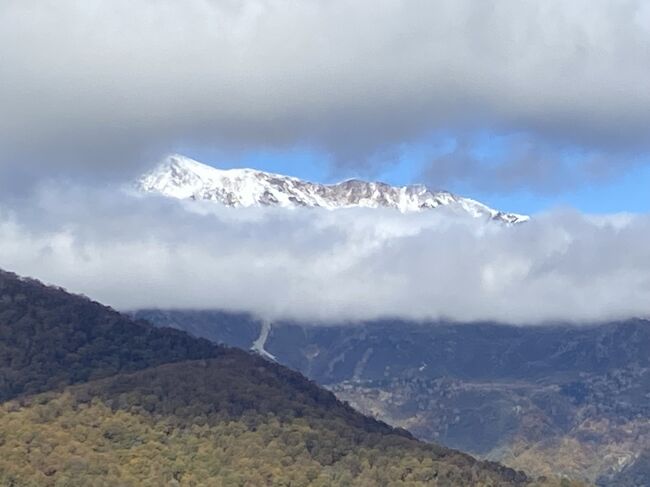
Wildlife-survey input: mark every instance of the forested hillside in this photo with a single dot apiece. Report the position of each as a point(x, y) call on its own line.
point(49, 338)
point(120, 403)
point(226, 421)
point(555, 399)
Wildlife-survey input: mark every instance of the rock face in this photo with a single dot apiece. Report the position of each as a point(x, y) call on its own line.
point(183, 178)
point(562, 399)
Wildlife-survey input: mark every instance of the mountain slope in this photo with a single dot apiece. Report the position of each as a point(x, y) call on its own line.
point(49, 338)
point(183, 178)
point(546, 399)
point(227, 421)
point(169, 409)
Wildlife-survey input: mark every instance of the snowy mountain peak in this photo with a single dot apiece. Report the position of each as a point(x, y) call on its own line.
point(183, 178)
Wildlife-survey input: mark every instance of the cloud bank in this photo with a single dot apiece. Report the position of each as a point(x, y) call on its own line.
point(132, 251)
point(108, 85)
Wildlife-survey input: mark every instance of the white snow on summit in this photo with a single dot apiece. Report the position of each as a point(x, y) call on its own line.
point(183, 178)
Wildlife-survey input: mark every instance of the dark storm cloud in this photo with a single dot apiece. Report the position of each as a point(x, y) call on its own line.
point(109, 85)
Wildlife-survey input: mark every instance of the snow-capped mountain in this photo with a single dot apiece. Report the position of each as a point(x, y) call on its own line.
point(183, 178)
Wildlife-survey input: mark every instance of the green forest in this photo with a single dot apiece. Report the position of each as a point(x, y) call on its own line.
point(91, 398)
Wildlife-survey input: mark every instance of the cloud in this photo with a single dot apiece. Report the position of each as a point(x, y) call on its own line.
point(132, 251)
point(102, 87)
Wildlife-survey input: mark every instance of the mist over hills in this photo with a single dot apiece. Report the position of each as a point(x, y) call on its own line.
point(132, 250)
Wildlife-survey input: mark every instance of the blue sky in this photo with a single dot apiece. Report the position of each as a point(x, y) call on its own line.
point(522, 107)
point(628, 191)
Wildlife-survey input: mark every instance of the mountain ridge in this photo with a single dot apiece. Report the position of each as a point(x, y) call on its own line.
point(91, 397)
point(561, 400)
point(183, 178)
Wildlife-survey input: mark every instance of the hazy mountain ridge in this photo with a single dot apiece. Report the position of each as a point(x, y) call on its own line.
point(183, 178)
point(556, 399)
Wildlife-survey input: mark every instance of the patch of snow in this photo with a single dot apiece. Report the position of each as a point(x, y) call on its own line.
point(183, 178)
point(258, 345)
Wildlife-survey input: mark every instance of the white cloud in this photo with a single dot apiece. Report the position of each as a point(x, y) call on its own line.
point(115, 82)
point(133, 252)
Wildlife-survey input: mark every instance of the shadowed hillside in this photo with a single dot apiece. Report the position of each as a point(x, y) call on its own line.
point(158, 407)
point(568, 400)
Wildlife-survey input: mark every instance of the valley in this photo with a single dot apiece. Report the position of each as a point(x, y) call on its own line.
point(89, 396)
point(553, 399)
